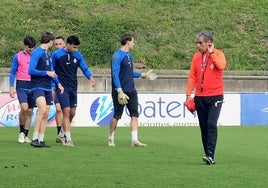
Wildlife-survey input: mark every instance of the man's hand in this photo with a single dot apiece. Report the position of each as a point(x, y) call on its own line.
point(92, 81)
point(122, 97)
point(12, 92)
point(150, 75)
point(61, 88)
point(190, 104)
point(52, 74)
point(188, 97)
point(210, 48)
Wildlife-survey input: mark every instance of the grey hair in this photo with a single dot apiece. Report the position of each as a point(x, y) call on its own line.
point(207, 36)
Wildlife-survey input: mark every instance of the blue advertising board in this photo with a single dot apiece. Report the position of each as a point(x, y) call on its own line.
point(254, 109)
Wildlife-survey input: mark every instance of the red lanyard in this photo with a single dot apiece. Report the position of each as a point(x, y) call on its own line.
point(204, 66)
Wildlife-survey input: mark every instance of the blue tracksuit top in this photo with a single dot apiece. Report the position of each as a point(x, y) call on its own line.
point(66, 65)
point(40, 63)
point(122, 71)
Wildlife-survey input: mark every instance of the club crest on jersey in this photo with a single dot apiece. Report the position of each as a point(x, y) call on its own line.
point(212, 66)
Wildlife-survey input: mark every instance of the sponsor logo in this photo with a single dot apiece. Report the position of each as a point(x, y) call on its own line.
point(151, 112)
point(101, 111)
point(9, 114)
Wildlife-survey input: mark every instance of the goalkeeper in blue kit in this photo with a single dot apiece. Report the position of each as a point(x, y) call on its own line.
point(123, 89)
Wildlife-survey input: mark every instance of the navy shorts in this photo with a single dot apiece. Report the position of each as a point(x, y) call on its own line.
point(132, 105)
point(47, 94)
point(67, 99)
point(26, 96)
point(22, 84)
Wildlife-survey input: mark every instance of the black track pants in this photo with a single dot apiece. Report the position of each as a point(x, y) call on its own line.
point(208, 111)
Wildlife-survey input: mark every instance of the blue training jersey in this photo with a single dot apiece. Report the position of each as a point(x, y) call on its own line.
point(66, 65)
point(122, 71)
point(13, 70)
point(40, 63)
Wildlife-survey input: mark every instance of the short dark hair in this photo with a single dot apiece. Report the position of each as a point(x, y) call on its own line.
point(72, 39)
point(125, 38)
point(46, 37)
point(207, 36)
point(29, 41)
point(59, 37)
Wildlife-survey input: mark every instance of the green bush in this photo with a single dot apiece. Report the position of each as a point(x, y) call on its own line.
point(164, 30)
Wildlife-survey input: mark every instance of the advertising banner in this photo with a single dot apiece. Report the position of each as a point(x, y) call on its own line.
point(10, 108)
point(155, 110)
point(254, 109)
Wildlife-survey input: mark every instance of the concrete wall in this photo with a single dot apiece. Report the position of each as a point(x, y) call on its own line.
point(169, 81)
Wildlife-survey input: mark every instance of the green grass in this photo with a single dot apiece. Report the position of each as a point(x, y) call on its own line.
point(172, 159)
point(164, 30)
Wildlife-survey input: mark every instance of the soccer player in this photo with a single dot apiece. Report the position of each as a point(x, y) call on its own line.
point(42, 73)
point(123, 89)
point(19, 71)
point(58, 43)
point(66, 62)
point(206, 79)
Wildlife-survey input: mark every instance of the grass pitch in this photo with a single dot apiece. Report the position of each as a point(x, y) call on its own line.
point(173, 158)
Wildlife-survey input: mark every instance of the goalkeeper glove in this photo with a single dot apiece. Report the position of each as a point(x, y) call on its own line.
point(122, 97)
point(150, 75)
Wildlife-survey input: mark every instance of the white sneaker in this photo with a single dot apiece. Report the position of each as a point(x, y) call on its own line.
point(111, 143)
point(138, 144)
point(21, 138)
point(208, 160)
point(60, 139)
point(27, 140)
point(69, 143)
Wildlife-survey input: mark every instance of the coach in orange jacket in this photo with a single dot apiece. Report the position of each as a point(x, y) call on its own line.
point(206, 80)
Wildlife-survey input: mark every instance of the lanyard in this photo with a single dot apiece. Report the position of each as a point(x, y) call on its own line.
point(204, 67)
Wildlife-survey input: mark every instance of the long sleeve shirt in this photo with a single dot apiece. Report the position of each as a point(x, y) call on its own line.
point(122, 71)
point(206, 74)
point(66, 65)
point(40, 63)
